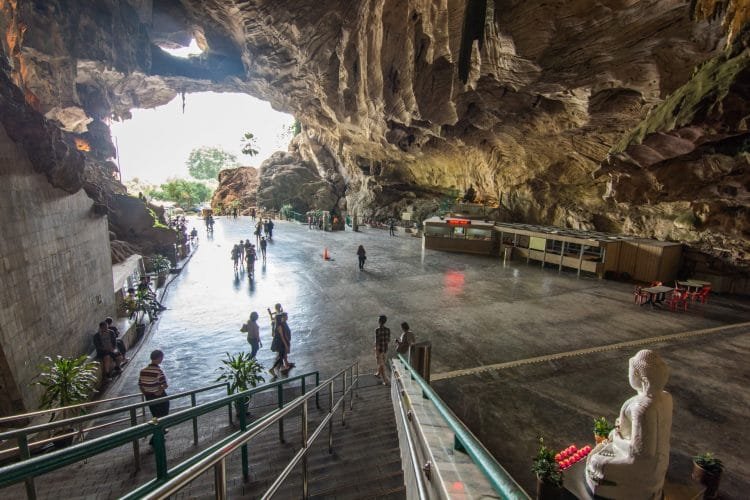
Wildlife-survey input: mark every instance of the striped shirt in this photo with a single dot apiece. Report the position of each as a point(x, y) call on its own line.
point(152, 381)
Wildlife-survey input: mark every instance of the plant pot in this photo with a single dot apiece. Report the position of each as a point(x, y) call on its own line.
point(708, 480)
point(242, 405)
point(161, 279)
point(140, 329)
point(599, 439)
point(547, 491)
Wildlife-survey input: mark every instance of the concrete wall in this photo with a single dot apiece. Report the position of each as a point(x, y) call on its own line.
point(55, 275)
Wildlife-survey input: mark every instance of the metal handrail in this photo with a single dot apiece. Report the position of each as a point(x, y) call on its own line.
point(217, 459)
point(104, 413)
point(65, 408)
point(29, 468)
point(421, 490)
point(501, 481)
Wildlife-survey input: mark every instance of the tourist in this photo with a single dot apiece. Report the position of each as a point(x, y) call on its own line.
point(309, 222)
point(263, 246)
point(148, 295)
point(153, 385)
point(251, 257)
point(281, 345)
point(270, 229)
point(258, 229)
point(406, 340)
point(265, 227)
point(392, 227)
point(252, 214)
point(382, 339)
point(253, 333)
point(241, 249)
point(235, 254)
point(362, 257)
point(105, 342)
point(120, 343)
point(193, 235)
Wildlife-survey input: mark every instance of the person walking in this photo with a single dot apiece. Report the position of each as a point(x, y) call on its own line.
point(263, 245)
point(361, 254)
point(153, 385)
point(406, 340)
point(382, 339)
point(281, 344)
point(253, 333)
point(392, 227)
point(270, 229)
point(252, 214)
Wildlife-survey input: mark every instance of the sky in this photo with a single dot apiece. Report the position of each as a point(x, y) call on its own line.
point(155, 144)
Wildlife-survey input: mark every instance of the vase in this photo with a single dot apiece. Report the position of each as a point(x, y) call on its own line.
point(547, 491)
point(709, 480)
point(599, 439)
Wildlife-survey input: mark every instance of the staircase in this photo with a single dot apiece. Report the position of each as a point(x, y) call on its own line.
point(365, 462)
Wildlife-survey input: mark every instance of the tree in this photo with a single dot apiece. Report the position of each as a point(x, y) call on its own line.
point(183, 192)
point(249, 144)
point(206, 162)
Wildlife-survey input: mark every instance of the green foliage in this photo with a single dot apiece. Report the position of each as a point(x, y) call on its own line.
point(183, 192)
point(160, 264)
point(545, 466)
point(206, 162)
point(249, 144)
point(709, 463)
point(66, 381)
point(241, 371)
point(157, 222)
point(602, 427)
point(286, 211)
point(296, 127)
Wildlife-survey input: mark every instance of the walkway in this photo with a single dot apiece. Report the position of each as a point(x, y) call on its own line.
point(477, 312)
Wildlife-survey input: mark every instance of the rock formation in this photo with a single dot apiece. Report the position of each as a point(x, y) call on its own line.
point(237, 187)
point(623, 116)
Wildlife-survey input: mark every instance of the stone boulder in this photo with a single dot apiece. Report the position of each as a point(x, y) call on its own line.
point(136, 223)
point(236, 185)
point(286, 179)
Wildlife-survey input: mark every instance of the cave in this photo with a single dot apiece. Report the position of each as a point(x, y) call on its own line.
point(621, 117)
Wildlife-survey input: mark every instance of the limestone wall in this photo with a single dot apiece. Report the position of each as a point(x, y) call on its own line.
point(55, 275)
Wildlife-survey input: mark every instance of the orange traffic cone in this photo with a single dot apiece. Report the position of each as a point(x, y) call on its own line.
point(325, 254)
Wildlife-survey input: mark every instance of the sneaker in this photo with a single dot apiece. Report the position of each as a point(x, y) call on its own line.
point(292, 365)
point(272, 372)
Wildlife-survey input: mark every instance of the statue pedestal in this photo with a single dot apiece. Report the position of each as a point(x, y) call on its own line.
point(574, 480)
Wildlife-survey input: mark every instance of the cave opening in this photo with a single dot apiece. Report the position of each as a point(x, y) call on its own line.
point(154, 145)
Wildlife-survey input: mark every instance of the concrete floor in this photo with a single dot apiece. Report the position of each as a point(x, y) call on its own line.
point(477, 311)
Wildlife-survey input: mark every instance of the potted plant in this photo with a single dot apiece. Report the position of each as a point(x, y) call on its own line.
point(161, 266)
point(549, 478)
point(242, 372)
point(602, 428)
point(707, 471)
point(66, 382)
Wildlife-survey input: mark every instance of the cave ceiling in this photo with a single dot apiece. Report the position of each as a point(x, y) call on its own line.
point(619, 115)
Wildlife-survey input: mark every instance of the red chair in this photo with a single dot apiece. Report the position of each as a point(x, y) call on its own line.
point(639, 296)
point(677, 299)
point(702, 295)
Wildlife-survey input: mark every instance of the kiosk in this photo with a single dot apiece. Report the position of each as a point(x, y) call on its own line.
point(458, 234)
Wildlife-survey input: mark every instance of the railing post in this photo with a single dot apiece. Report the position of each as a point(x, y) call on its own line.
point(330, 421)
point(356, 383)
point(303, 385)
point(243, 425)
point(143, 408)
point(229, 407)
point(220, 480)
point(343, 398)
point(160, 453)
point(304, 446)
point(136, 445)
point(317, 394)
point(280, 394)
point(23, 449)
point(351, 394)
point(195, 421)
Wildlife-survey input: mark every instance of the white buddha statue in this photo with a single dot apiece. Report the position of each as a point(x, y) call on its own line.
point(632, 464)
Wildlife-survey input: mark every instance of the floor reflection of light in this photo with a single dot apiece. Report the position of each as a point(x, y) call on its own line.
point(454, 282)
